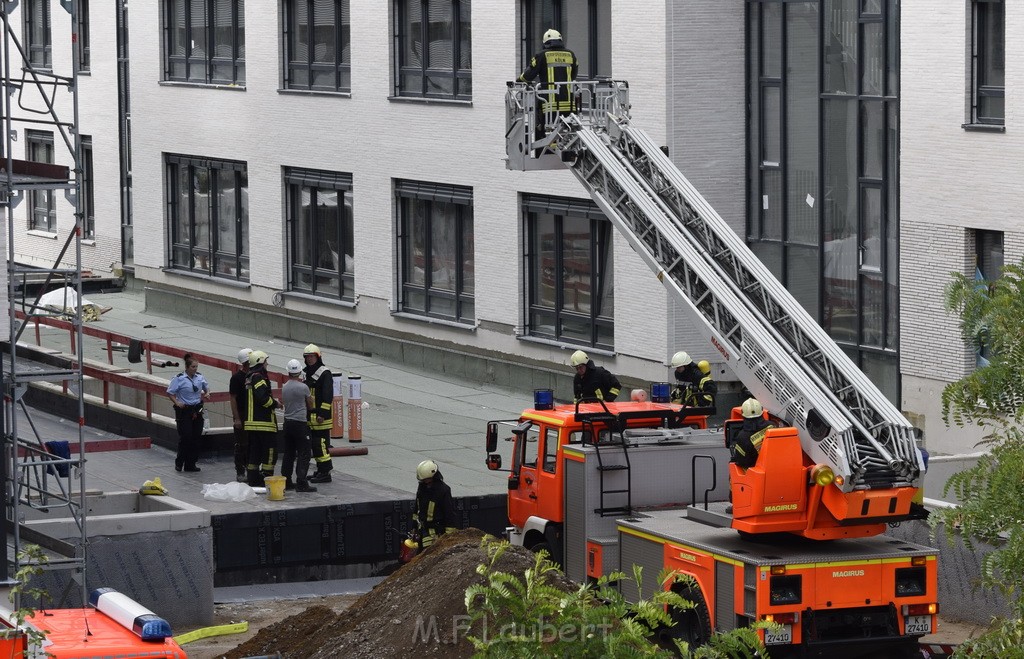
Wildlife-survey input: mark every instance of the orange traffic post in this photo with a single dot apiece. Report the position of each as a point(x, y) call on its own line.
point(337, 410)
point(355, 409)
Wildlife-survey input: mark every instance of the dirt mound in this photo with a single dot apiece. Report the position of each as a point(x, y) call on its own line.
point(417, 611)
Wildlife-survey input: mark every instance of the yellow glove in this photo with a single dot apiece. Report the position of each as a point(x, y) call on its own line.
point(153, 487)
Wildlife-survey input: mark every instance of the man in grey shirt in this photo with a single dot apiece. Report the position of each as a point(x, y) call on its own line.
point(297, 449)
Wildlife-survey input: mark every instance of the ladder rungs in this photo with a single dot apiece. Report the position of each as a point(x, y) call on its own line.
point(611, 467)
point(612, 511)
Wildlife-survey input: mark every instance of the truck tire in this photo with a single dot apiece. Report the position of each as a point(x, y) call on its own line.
point(542, 546)
point(692, 626)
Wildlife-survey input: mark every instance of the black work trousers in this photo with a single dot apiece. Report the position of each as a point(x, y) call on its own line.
point(321, 446)
point(262, 455)
point(189, 421)
point(241, 450)
point(295, 451)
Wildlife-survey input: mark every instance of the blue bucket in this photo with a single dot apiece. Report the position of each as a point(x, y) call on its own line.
point(659, 392)
point(543, 399)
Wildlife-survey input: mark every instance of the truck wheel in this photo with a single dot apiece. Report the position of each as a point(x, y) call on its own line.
point(692, 626)
point(542, 546)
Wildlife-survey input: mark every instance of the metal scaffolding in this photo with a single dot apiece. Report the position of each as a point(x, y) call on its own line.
point(40, 477)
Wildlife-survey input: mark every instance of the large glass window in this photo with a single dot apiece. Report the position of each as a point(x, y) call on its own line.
point(433, 53)
point(317, 45)
point(988, 62)
point(42, 211)
point(586, 29)
point(570, 290)
point(37, 33)
point(320, 228)
point(436, 246)
point(82, 36)
point(208, 216)
point(88, 190)
point(205, 41)
point(822, 166)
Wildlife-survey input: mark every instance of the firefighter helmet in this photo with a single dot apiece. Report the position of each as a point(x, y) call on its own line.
point(311, 349)
point(751, 408)
point(294, 367)
point(704, 367)
point(425, 470)
point(243, 355)
point(579, 358)
point(257, 357)
point(551, 36)
point(681, 358)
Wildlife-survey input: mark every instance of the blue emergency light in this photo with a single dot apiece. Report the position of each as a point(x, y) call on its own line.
point(130, 614)
point(543, 399)
point(659, 392)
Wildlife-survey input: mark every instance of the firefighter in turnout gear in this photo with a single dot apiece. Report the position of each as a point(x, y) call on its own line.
point(260, 423)
point(592, 381)
point(554, 69)
point(746, 444)
point(694, 384)
point(320, 381)
point(434, 511)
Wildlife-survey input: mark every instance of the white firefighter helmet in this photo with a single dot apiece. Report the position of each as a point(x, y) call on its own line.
point(681, 358)
point(552, 35)
point(243, 355)
point(294, 367)
point(579, 358)
point(751, 408)
point(425, 470)
point(311, 349)
point(704, 367)
point(257, 357)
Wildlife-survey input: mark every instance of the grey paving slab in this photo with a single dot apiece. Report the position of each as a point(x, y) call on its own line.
point(294, 590)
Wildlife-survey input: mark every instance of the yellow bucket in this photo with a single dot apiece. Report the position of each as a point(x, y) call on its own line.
point(275, 487)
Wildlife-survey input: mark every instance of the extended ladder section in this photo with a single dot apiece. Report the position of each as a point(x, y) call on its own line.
point(769, 341)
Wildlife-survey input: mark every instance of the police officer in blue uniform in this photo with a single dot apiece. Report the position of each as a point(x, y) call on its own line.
point(187, 392)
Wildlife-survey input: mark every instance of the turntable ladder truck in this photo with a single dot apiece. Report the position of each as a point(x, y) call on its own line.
point(801, 542)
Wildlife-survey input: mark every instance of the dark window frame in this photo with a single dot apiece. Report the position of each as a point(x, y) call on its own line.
point(202, 68)
point(82, 39)
point(340, 68)
point(988, 17)
point(460, 79)
point(40, 55)
point(589, 56)
point(461, 298)
point(88, 189)
point(320, 182)
point(599, 321)
point(42, 204)
point(209, 258)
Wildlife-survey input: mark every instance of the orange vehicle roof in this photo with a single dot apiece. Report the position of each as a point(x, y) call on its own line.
point(565, 414)
point(82, 633)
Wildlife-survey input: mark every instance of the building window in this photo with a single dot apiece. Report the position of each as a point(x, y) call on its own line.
point(317, 45)
point(432, 46)
point(570, 289)
point(988, 258)
point(87, 190)
point(37, 33)
point(82, 35)
point(988, 58)
point(436, 243)
point(320, 228)
point(586, 29)
point(208, 216)
point(205, 41)
point(42, 211)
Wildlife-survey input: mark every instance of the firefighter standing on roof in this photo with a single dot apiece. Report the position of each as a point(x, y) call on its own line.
point(592, 381)
point(320, 381)
point(694, 385)
point(236, 387)
point(260, 423)
point(434, 511)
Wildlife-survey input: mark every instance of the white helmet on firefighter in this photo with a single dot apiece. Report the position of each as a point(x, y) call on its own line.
point(681, 359)
point(551, 36)
point(751, 408)
point(257, 357)
point(311, 349)
point(704, 367)
point(294, 367)
point(579, 358)
point(243, 355)
point(425, 470)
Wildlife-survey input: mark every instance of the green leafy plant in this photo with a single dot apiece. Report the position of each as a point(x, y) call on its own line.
point(529, 615)
point(992, 491)
point(31, 559)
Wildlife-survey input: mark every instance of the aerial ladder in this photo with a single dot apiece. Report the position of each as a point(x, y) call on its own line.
point(783, 357)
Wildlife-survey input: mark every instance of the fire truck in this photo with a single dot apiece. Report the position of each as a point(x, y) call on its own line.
point(797, 538)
